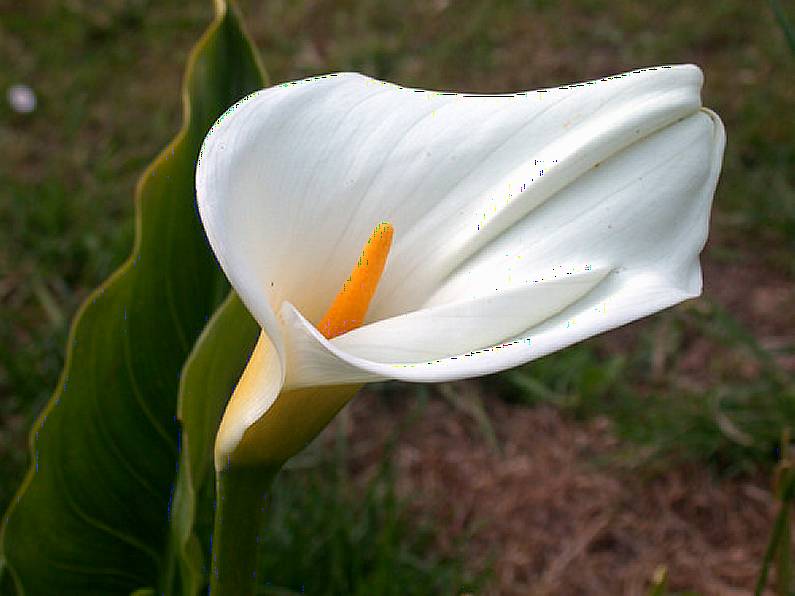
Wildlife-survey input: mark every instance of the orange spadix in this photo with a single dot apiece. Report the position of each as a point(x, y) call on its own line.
point(349, 308)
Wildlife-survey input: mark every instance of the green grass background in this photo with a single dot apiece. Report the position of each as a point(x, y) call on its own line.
point(107, 76)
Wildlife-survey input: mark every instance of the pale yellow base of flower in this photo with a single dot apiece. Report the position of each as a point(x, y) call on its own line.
point(295, 418)
point(261, 378)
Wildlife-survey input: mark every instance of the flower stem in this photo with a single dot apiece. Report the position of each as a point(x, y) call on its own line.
point(239, 509)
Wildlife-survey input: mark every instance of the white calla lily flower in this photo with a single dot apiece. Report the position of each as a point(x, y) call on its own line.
point(523, 223)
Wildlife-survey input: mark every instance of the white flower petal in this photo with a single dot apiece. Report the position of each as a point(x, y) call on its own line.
point(523, 224)
point(291, 181)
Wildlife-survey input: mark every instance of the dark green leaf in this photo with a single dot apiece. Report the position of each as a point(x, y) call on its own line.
point(92, 514)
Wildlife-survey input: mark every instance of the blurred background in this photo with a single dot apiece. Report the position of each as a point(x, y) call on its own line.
point(652, 447)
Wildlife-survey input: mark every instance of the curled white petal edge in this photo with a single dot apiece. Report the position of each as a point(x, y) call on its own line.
point(314, 360)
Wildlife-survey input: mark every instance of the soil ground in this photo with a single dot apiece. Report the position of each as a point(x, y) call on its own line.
point(553, 517)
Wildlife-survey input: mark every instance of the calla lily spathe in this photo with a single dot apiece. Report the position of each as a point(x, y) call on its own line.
point(523, 223)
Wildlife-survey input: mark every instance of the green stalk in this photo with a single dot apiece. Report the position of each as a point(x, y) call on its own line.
point(784, 564)
point(239, 516)
point(778, 547)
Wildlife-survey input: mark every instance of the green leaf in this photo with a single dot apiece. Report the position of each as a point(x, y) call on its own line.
point(92, 514)
point(209, 376)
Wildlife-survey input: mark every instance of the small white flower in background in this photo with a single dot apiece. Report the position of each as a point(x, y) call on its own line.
point(21, 98)
point(523, 223)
